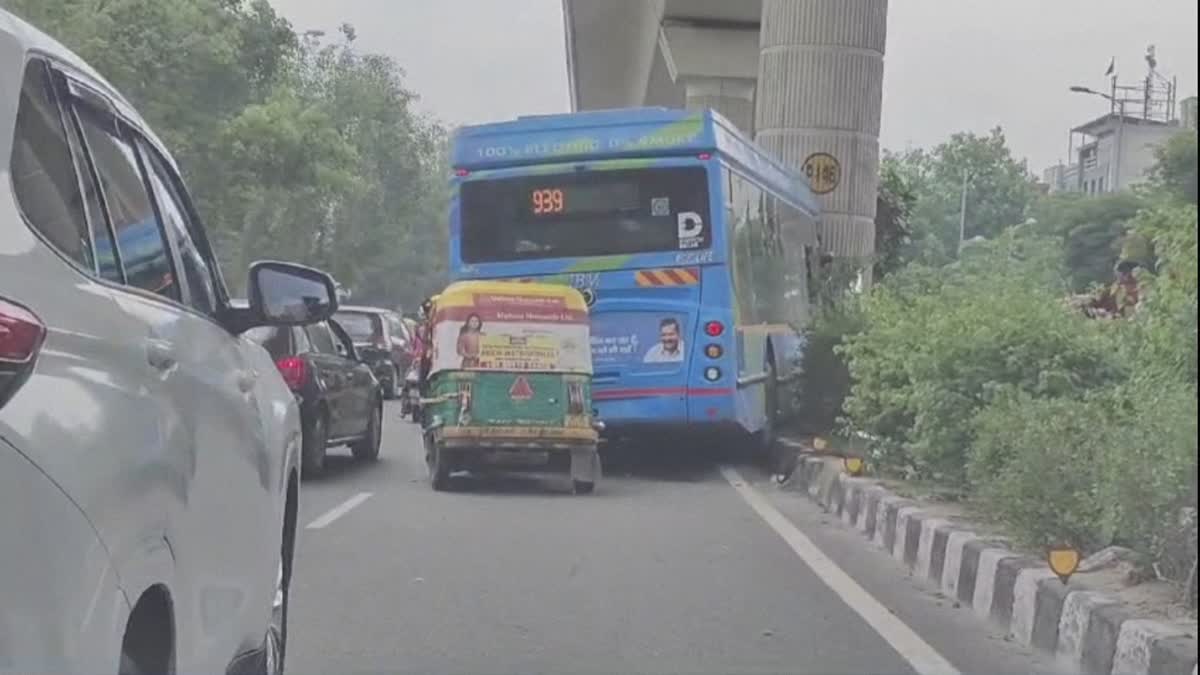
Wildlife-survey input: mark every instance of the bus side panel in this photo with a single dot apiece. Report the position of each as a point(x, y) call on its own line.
point(716, 401)
point(751, 396)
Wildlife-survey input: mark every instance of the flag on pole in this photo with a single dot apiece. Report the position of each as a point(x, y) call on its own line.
point(1112, 67)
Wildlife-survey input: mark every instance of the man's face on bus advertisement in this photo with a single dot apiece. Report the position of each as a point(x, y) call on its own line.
point(668, 335)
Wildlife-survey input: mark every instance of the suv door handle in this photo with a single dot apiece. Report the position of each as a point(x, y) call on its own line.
point(246, 380)
point(160, 354)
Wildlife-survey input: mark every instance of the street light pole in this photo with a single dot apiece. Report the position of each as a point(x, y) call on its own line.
point(962, 213)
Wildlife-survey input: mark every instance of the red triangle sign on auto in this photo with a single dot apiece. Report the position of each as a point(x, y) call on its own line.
point(520, 390)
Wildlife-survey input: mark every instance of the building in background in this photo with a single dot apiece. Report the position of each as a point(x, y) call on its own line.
point(1187, 113)
point(803, 77)
point(1114, 151)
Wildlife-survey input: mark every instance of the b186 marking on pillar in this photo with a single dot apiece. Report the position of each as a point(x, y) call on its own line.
point(824, 172)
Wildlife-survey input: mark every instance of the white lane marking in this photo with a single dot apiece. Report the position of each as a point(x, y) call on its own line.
point(339, 510)
point(923, 658)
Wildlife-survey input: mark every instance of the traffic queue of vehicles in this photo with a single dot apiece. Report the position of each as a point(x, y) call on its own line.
point(383, 339)
point(341, 401)
point(151, 448)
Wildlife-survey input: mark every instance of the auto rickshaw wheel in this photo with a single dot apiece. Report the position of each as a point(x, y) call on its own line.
point(439, 468)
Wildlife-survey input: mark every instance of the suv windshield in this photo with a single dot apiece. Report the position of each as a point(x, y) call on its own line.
point(360, 326)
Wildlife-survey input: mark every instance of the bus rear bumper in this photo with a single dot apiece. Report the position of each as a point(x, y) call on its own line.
point(629, 412)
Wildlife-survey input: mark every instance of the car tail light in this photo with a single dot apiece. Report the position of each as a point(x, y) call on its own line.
point(575, 398)
point(21, 337)
point(714, 329)
point(294, 371)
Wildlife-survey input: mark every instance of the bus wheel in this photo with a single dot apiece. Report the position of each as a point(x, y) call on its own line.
point(763, 443)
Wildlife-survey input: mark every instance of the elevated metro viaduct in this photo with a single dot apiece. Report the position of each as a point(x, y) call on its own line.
point(803, 77)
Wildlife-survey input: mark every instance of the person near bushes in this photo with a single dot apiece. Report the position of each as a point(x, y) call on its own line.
point(1121, 297)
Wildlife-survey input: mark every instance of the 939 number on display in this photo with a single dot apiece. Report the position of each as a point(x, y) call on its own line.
point(547, 201)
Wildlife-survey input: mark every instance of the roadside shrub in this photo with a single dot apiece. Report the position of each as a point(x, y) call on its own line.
point(939, 343)
point(1035, 466)
point(1147, 479)
point(1118, 464)
point(826, 379)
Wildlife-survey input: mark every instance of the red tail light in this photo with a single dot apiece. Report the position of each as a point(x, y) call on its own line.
point(294, 371)
point(714, 328)
point(21, 336)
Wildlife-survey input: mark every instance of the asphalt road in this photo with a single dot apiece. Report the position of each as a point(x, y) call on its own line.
point(668, 568)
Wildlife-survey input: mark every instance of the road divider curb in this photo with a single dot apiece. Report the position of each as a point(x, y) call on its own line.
point(1087, 630)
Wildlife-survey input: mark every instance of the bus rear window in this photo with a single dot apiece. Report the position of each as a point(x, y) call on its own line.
point(587, 213)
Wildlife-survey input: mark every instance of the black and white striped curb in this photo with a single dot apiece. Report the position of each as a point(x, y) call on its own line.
point(1090, 631)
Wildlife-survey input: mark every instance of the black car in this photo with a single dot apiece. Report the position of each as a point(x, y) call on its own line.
point(382, 340)
point(341, 401)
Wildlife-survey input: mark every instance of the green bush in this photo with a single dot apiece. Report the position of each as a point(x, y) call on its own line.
point(1035, 466)
point(826, 379)
point(1117, 465)
point(939, 343)
point(1147, 478)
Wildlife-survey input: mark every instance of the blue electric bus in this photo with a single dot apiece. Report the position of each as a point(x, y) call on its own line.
point(691, 245)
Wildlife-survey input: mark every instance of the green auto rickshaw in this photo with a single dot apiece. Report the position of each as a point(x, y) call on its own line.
point(509, 383)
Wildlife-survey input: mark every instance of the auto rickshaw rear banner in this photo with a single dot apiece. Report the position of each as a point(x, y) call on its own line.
point(511, 332)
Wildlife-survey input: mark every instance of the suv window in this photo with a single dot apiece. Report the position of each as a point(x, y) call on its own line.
point(173, 210)
point(140, 242)
point(321, 338)
point(43, 173)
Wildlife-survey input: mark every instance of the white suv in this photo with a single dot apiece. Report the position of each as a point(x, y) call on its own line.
point(148, 453)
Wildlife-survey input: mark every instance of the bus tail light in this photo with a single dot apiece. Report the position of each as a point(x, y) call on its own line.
point(714, 329)
point(712, 373)
point(462, 173)
point(704, 156)
point(713, 351)
point(294, 371)
point(21, 337)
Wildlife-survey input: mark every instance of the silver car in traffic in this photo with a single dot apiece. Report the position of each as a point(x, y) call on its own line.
point(149, 454)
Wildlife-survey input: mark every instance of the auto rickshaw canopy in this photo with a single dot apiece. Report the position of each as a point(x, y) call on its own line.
point(511, 327)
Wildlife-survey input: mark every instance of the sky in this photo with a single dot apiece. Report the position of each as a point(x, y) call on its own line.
point(951, 65)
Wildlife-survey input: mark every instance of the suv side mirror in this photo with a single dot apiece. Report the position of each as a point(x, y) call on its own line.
point(284, 294)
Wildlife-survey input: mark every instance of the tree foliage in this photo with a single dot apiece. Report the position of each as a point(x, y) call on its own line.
point(999, 192)
point(893, 208)
point(1175, 168)
point(1093, 232)
point(293, 149)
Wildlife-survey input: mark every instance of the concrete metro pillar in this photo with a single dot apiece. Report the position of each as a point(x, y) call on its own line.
point(820, 90)
point(733, 98)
